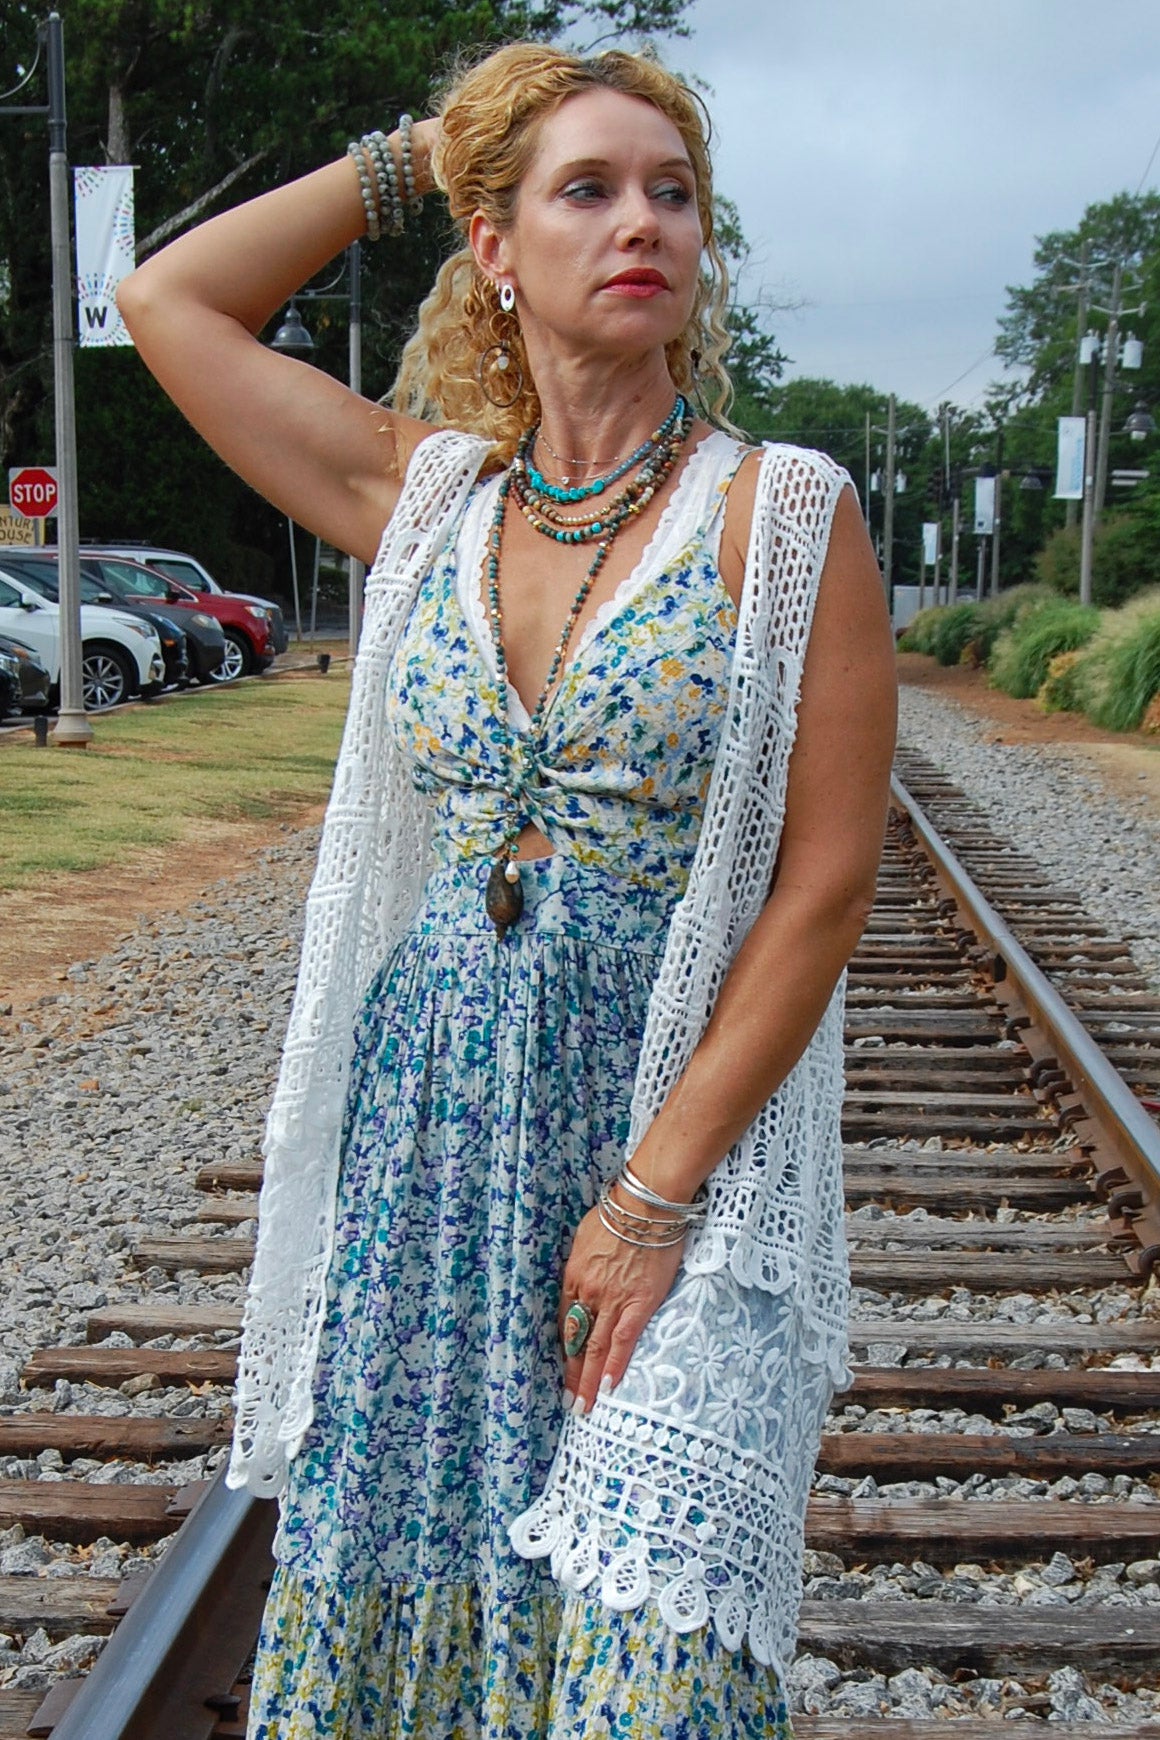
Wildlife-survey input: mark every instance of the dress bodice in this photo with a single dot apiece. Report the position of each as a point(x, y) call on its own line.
point(618, 773)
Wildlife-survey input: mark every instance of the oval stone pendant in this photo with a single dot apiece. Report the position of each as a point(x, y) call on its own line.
point(503, 900)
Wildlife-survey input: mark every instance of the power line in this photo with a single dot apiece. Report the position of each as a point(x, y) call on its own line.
point(989, 352)
point(1148, 166)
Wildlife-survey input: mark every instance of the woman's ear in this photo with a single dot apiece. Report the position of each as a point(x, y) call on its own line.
point(488, 245)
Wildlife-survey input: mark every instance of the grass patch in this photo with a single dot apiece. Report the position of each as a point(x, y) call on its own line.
point(154, 776)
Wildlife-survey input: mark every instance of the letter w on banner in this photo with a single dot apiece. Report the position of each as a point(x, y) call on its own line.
point(105, 250)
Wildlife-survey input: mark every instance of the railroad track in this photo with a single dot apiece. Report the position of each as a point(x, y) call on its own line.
point(1003, 1200)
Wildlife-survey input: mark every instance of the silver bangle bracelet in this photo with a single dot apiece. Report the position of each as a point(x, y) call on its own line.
point(690, 1211)
point(627, 1239)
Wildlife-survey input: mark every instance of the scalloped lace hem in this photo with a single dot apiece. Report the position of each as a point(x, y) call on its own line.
point(640, 1507)
point(683, 1586)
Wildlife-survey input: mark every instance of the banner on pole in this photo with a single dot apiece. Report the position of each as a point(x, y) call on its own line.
point(930, 529)
point(105, 251)
point(984, 505)
point(1069, 461)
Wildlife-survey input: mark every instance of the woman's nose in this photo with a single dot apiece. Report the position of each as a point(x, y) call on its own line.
point(640, 222)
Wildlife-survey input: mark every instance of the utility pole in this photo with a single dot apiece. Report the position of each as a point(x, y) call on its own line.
point(1111, 358)
point(888, 505)
point(1077, 384)
point(72, 729)
point(1087, 536)
point(356, 570)
point(997, 522)
point(953, 594)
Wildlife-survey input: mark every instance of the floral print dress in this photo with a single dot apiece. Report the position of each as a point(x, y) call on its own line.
point(489, 1099)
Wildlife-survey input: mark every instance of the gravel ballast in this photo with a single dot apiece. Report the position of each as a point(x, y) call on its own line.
point(162, 1056)
point(1050, 801)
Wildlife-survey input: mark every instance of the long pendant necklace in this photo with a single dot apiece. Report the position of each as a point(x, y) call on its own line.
point(504, 898)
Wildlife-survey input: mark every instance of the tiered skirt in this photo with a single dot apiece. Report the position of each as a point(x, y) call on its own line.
point(489, 1098)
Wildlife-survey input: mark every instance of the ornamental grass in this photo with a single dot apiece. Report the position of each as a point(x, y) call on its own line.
point(1117, 680)
point(1039, 633)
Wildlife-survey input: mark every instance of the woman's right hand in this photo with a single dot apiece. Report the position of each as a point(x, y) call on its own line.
point(424, 138)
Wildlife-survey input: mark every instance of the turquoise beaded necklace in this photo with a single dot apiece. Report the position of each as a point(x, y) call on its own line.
point(584, 491)
point(504, 900)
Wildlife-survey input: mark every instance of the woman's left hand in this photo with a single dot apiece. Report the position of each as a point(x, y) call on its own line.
point(620, 1286)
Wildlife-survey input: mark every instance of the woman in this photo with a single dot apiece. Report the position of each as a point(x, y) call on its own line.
point(545, 1419)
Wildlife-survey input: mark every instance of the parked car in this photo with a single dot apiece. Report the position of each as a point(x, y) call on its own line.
point(202, 634)
point(24, 681)
point(194, 574)
point(248, 628)
point(42, 573)
point(120, 656)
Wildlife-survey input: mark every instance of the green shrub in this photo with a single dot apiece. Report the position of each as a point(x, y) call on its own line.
point(1060, 692)
point(919, 633)
point(1035, 636)
point(994, 615)
point(1057, 564)
point(1119, 675)
point(1125, 559)
point(957, 624)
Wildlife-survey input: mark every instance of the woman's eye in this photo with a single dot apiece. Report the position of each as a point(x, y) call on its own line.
point(585, 190)
point(675, 193)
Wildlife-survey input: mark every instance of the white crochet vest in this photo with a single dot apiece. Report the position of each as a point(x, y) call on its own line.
point(649, 1497)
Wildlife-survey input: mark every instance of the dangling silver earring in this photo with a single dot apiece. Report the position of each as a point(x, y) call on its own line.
point(500, 376)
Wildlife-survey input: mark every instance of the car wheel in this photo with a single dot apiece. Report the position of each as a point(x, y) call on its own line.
point(239, 659)
point(107, 675)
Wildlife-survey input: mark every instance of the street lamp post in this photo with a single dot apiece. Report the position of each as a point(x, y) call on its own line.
point(72, 729)
point(293, 337)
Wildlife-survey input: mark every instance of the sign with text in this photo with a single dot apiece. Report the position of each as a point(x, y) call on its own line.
point(32, 491)
point(930, 531)
point(17, 531)
point(105, 251)
point(984, 505)
point(1069, 459)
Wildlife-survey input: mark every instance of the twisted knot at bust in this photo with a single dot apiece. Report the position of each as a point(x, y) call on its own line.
point(526, 770)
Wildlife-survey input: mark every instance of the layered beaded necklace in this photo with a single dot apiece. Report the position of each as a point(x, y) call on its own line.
point(540, 503)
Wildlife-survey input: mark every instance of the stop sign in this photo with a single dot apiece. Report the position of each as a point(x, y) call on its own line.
point(32, 491)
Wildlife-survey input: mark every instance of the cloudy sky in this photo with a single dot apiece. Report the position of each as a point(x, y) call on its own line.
point(894, 160)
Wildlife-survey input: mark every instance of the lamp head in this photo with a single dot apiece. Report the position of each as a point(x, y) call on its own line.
point(292, 335)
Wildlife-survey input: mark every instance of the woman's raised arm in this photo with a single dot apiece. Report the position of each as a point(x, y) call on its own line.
point(331, 459)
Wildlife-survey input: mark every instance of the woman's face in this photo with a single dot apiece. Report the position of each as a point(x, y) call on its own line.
point(605, 247)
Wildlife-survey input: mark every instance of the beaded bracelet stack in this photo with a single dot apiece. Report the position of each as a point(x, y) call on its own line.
point(388, 192)
point(645, 1230)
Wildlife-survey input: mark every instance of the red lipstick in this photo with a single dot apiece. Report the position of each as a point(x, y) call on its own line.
point(638, 281)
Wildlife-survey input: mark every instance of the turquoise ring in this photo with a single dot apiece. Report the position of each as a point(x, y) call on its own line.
point(578, 1322)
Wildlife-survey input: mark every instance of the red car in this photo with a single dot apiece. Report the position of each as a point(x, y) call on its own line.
point(248, 627)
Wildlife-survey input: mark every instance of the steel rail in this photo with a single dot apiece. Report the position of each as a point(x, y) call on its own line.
point(1105, 1094)
point(183, 1642)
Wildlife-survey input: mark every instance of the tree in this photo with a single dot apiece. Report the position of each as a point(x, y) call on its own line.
point(819, 413)
point(1039, 334)
point(215, 102)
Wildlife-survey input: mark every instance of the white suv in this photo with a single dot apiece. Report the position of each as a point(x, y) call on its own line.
point(120, 654)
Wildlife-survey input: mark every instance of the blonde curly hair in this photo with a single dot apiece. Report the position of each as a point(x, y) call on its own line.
point(490, 115)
